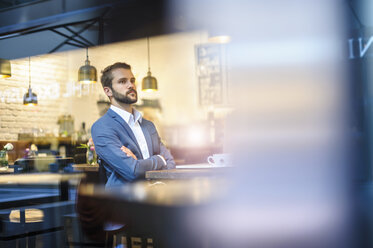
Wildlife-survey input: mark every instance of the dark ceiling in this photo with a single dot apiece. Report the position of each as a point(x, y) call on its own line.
point(40, 27)
point(32, 27)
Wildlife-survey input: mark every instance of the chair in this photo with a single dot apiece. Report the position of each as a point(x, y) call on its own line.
point(101, 171)
point(30, 226)
point(92, 218)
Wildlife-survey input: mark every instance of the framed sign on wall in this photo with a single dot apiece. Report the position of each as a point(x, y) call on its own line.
point(210, 74)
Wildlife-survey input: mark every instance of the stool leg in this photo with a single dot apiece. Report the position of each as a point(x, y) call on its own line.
point(124, 241)
point(31, 242)
point(129, 242)
point(143, 242)
point(108, 241)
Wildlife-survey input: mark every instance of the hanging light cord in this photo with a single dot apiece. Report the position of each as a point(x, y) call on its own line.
point(148, 53)
point(29, 72)
point(87, 52)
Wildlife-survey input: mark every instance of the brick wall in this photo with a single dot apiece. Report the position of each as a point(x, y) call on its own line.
point(48, 80)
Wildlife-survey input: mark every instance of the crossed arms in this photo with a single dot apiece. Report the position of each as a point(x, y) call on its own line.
point(122, 160)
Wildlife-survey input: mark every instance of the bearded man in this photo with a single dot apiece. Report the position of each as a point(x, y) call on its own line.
point(127, 145)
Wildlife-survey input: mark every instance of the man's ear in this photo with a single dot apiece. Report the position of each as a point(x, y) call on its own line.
point(108, 91)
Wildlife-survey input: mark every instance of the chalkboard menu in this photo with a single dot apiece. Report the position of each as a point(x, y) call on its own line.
point(210, 74)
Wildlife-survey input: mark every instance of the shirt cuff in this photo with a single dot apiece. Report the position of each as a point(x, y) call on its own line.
point(164, 161)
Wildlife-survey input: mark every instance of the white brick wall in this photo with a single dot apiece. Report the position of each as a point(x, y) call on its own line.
point(48, 79)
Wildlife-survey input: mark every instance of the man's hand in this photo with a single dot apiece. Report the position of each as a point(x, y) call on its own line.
point(128, 152)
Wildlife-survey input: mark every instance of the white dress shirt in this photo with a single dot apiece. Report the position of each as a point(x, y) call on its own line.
point(133, 121)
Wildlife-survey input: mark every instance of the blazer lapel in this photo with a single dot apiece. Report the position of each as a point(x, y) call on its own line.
point(148, 138)
point(119, 119)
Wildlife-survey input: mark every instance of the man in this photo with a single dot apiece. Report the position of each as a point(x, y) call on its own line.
point(127, 144)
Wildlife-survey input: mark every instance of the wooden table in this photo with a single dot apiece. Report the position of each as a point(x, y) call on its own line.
point(188, 172)
point(7, 171)
point(39, 178)
point(85, 167)
point(161, 210)
point(62, 180)
point(76, 167)
point(181, 172)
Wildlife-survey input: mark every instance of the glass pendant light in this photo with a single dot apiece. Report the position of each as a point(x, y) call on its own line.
point(30, 98)
point(87, 73)
point(149, 83)
point(5, 70)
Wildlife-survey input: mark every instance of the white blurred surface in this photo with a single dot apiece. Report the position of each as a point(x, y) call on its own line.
point(287, 82)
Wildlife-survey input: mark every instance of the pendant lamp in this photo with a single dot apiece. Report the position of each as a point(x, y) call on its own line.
point(87, 73)
point(149, 83)
point(5, 71)
point(30, 98)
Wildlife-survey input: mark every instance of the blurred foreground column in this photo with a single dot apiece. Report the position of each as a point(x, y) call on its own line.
point(288, 83)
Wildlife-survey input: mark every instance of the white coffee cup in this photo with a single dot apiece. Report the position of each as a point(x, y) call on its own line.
point(220, 159)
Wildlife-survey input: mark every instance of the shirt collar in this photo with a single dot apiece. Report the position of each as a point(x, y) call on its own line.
point(126, 116)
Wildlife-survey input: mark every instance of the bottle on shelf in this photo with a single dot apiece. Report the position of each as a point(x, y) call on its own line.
point(82, 134)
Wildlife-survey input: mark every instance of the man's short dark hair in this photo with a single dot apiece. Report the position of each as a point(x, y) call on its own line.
point(107, 77)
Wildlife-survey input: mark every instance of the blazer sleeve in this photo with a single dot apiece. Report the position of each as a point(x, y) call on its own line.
point(108, 144)
point(164, 152)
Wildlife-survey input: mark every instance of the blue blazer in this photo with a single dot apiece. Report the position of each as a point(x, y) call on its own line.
point(110, 133)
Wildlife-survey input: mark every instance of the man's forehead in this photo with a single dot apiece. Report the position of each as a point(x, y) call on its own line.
point(122, 73)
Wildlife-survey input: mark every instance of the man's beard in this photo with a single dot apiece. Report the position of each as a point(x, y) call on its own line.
point(119, 97)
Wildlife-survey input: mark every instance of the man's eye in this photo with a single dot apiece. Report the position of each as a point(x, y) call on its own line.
point(133, 80)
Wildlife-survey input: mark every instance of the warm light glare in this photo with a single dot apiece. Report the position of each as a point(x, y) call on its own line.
point(87, 82)
point(32, 215)
point(149, 90)
point(30, 104)
point(4, 76)
point(220, 39)
point(196, 136)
